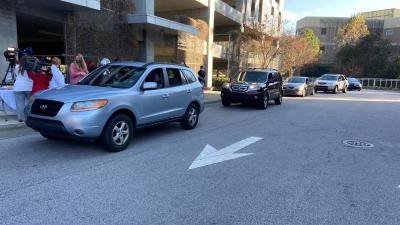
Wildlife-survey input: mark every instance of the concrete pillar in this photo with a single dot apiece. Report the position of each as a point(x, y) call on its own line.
point(241, 7)
point(210, 42)
point(146, 47)
point(146, 42)
point(8, 31)
point(257, 10)
point(248, 11)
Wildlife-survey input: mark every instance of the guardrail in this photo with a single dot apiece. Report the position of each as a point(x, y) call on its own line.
point(380, 83)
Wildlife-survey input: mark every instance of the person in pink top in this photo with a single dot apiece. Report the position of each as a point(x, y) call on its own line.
point(77, 69)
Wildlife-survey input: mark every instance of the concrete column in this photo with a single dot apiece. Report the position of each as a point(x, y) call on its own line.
point(146, 42)
point(146, 47)
point(257, 10)
point(248, 11)
point(210, 42)
point(8, 31)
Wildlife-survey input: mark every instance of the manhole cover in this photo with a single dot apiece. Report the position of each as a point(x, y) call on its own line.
point(358, 144)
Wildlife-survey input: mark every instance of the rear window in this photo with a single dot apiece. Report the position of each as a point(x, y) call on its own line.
point(190, 77)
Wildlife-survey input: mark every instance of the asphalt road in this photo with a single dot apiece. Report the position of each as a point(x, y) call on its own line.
point(299, 173)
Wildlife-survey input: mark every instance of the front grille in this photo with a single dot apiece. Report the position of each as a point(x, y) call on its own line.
point(46, 107)
point(240, 88)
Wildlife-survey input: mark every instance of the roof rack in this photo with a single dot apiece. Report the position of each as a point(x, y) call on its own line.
point(164, 63)
point(260, 68)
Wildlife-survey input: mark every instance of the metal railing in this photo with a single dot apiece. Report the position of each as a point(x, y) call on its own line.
point(380, 83)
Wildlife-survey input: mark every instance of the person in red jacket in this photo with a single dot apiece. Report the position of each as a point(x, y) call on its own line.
point(41, 79)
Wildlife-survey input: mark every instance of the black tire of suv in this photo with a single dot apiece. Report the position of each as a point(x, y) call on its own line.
point(106, 138)
point(263, 103)
point(48, 136)
point(335, 90)
point(279, 100)
point(226, 102)
point(191, 110)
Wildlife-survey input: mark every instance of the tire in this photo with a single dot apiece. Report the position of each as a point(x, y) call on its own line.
point(335, 90)
point(48, 136)
point(279, 100)
point(226, 102)
point(191, 117)
point(117, 133)
point(263, 103)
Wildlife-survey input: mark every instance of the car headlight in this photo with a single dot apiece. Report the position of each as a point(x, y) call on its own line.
point(88, 105)
point(254, 87)
point(226, 85)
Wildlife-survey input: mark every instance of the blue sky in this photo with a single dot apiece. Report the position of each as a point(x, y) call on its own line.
point(297, 9)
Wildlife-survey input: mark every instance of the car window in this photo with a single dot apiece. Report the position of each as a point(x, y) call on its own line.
point(191, 78)
point(156, 75)
point(117, 76)
point(174, 77)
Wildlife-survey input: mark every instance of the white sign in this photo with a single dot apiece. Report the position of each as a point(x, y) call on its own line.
point(210, 155)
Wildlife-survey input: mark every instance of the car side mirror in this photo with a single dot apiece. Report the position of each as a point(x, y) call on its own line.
point(149, 86)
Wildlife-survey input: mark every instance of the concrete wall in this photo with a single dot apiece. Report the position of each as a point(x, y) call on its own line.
point(8, 31)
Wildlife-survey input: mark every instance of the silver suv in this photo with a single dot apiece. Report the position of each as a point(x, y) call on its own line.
point(114, 100)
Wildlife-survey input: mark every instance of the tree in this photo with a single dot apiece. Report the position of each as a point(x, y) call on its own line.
point(258, 39)
point(370, 57)
point(314, 41)
point(352, 31)
point(296, 51)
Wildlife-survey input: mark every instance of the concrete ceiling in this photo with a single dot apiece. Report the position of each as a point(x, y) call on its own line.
point(178, 5)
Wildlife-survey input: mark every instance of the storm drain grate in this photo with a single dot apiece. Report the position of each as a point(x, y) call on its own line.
point(358, 144)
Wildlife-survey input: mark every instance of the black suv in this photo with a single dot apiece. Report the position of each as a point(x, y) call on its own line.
point(257, 86)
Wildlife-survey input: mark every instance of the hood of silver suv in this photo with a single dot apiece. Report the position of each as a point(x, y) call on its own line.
point(73, 93)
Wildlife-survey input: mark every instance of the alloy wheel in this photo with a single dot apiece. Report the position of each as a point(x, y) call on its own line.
point(120, 133)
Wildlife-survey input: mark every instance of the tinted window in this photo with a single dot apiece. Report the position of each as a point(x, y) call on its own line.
point(296, 80)
point(189, 76)
point(253, 77)
point(114, 76)
point(174, 77)
point(329, 77)
point(156, 76)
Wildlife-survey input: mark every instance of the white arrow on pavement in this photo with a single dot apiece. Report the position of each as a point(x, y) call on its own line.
point(210, 155)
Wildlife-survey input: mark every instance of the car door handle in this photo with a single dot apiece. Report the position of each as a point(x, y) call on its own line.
point(165, 96)
point(189, 92)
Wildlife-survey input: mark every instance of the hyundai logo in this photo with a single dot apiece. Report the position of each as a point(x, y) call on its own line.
point(43, 107)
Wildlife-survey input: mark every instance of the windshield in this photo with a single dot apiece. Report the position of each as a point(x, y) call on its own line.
point(329, 77)
point(253, 77)
point(117, 76)
point(353, 80)
point(297, 80)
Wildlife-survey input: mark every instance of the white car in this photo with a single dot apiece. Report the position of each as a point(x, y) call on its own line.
point(331, 82)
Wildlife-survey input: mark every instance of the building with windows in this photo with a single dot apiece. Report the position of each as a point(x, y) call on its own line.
point(383, 22)
point(194, 32)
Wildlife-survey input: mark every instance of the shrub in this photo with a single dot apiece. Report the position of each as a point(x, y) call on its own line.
point(219, 81)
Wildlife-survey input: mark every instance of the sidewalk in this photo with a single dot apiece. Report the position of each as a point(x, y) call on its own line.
point(12, 122)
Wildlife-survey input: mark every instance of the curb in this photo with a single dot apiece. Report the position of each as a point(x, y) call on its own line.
point(12, 126)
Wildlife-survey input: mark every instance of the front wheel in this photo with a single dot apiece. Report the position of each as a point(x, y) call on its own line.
point(335, 90)
point(191, 118)
point(226, 102)
point(263, 103)
point(279, 100)
point(117, 133)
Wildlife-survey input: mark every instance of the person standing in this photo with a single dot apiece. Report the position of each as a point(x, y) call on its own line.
point(22, 89)
point(78, 69)
point(202, 75)
point(41, 79)
point(58, 79)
